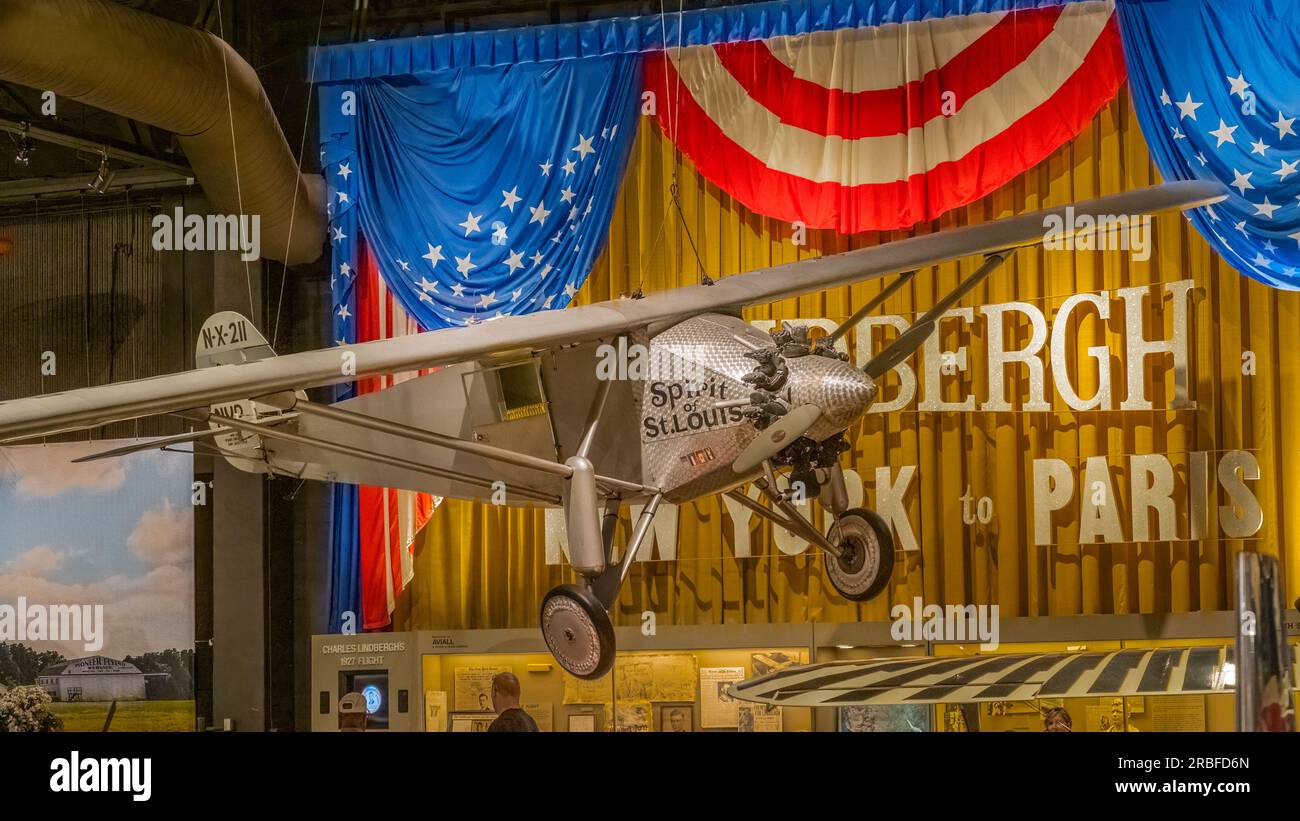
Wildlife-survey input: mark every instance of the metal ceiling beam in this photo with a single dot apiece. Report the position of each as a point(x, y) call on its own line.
point(138, 179)
point(115, 150)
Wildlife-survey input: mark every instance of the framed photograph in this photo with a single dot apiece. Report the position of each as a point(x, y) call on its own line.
point(759, 718)
point(632, 718)
point(582, 723)
point(473, 688)
point(675, 718)
point(717, 707)
point(471, 722)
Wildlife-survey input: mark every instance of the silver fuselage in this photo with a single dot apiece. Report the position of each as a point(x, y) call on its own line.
point(661, 427)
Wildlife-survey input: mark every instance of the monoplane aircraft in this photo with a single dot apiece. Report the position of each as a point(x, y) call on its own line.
point(528, 404)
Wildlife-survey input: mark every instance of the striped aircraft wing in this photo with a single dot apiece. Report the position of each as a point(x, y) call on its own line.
point(1012, 677)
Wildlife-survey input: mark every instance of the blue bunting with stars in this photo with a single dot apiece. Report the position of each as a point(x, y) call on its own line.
point(1217, 91)
point(481, 192)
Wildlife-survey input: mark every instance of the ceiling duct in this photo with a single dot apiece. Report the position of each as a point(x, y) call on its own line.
point(174, 77)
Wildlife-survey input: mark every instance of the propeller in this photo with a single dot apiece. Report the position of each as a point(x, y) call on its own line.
point(915, 336)
point(772, 439)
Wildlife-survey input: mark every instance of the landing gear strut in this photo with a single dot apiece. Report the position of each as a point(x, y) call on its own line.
point(859, 547)
point(575, 617)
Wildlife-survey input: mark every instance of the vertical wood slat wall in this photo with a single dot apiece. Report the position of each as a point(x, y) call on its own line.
point(59, 293)
point(478, 566)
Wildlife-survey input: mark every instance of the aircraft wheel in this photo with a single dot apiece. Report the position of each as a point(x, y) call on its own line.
point(578, 631)
point(863, 571)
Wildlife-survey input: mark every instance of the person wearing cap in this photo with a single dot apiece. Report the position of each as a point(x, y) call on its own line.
point(505, 700)
point(352, 713)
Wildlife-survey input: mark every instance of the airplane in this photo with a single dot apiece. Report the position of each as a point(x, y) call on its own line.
point(526, 404)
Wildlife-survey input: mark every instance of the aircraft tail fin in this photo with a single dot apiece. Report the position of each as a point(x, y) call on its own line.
point(230, 338)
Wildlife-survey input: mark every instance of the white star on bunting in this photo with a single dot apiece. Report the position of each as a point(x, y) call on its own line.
point(1224, 134)
point(515, 261)
point(1187, 108)
point(1241, 181)
point(464, 266)
point(539, 213)
point(583, 147)
point(1265, 209)
point(471, 224)
point(1283, 126)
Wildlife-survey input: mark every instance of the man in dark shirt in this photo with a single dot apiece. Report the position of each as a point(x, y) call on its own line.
point(505, 700)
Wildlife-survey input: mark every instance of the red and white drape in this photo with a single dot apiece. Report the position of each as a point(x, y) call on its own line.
point(863, 129)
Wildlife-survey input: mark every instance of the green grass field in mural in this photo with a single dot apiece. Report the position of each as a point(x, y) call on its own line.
point(130, 717)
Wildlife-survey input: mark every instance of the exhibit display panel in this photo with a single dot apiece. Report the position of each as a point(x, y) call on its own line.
point(1201, 712)
point(668, 691)
point(440, 682)
point(679, 679)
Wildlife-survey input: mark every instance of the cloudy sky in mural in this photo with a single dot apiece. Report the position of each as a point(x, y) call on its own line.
point(118, 533)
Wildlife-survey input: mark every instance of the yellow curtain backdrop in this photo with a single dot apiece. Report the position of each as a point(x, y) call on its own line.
point(479, 566)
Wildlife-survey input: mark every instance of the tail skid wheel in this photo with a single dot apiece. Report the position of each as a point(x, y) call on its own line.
point(863, 571)
point(578, 631)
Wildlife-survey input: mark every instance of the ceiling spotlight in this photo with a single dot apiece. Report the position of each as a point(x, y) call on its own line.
point(103, 177)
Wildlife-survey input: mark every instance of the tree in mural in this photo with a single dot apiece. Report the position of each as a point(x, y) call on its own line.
point(20, 664)
point(179, 668)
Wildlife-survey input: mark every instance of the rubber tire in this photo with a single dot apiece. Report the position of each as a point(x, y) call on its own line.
point(578, 607)
point(861, 523)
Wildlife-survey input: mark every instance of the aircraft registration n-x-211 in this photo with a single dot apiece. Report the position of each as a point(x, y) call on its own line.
point(521, 403)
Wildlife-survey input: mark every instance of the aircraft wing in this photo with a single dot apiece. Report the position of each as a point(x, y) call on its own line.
point(90, 407)
point(1012, 677)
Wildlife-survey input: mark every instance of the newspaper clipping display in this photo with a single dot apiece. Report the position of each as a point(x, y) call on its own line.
point(474, 688)
point(717, 707)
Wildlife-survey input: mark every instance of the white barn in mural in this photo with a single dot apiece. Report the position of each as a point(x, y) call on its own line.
point(95, 678)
